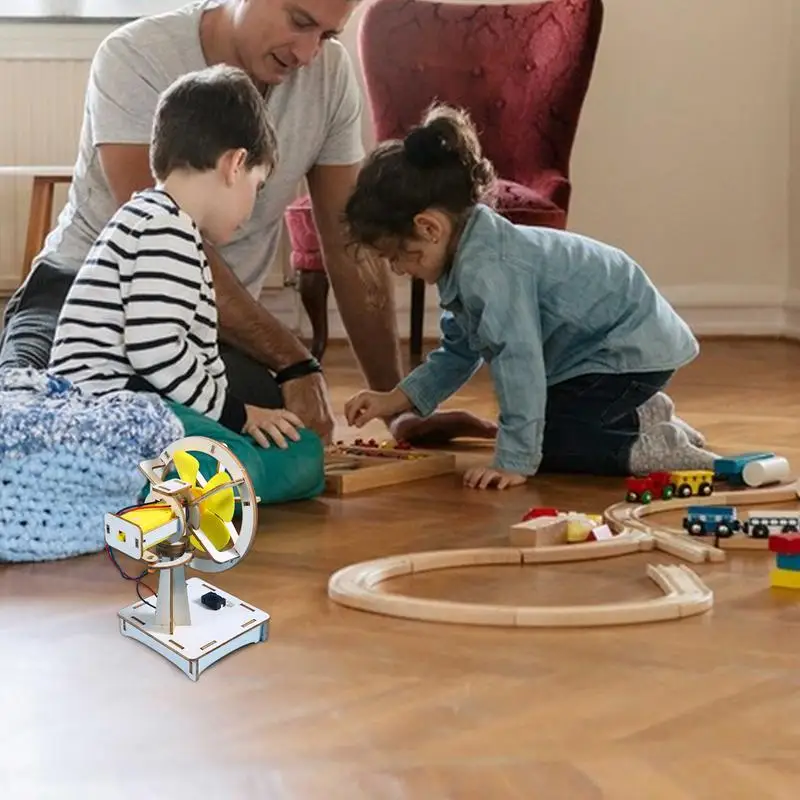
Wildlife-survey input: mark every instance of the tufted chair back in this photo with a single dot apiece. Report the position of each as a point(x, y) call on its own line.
point(521, 70)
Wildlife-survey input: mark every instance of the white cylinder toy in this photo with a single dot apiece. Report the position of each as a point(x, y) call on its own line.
point(767, 470)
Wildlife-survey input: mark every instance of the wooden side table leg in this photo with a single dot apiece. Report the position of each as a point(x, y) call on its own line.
point(39, 221)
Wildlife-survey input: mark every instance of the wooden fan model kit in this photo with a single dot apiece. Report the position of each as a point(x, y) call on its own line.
point(712, 526)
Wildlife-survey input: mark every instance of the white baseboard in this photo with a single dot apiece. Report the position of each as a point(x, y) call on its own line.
point(709, 310)
point(736, 310)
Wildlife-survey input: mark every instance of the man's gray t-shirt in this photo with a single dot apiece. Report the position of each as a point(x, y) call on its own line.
point(316, 113)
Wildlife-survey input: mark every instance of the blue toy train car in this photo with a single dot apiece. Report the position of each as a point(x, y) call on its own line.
point(718, 520)
point(723, 521)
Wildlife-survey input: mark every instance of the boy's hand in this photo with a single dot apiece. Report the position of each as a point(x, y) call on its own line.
point(274, 422)
point(367, 405)
point(484, 477)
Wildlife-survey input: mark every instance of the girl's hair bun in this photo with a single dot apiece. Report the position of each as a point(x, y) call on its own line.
point(427, 148)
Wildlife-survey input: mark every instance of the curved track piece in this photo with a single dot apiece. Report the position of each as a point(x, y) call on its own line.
point(356, 587)
point(696, 549)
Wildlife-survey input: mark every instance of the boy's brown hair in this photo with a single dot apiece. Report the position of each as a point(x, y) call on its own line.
point(203, 114)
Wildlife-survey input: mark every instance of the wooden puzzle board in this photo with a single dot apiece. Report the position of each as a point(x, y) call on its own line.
point(353, 469)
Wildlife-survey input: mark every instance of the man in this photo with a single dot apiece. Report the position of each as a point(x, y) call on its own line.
point(289, 49)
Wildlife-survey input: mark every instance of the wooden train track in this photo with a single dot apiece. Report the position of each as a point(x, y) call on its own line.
point(685, 594)
point(697, 549)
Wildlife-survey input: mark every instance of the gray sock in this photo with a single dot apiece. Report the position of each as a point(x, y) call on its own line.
point(661, 408)
point(664, 447)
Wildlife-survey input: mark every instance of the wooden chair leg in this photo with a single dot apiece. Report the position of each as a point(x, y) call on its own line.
point(417, 319)
point(313, 288)
point(39, 221)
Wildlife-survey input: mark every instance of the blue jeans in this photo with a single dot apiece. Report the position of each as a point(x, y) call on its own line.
point(591, 421)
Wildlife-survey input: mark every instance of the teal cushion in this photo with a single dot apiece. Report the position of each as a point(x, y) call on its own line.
point(278, 476)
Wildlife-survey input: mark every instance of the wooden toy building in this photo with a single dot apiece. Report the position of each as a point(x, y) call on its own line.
point(786, 574)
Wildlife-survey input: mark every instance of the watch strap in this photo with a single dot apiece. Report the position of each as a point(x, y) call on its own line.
point(298, 370)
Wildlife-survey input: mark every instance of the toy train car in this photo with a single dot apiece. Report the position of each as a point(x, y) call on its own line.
point(665, 485)
point(752, 469)
point(724, 521)
point(720, 521)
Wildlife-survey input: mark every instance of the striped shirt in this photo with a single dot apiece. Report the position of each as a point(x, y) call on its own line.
point(141, 313)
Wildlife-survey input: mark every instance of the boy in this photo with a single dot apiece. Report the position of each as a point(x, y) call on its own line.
point(141, 313)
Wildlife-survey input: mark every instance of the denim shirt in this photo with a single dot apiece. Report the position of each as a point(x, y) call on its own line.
point(541, 306)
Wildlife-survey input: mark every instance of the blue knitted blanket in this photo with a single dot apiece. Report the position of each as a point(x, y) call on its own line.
point(67, 458)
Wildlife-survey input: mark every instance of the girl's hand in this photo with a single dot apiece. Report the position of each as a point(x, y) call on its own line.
point(367, 405)
point(275, 422)
point(484, 477)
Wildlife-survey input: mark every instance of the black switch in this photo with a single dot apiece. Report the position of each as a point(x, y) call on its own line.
point(213, 601)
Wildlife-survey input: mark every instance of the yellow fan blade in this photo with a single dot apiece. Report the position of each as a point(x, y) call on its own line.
point(213, 527)
point(223, 502)
point(187, 465)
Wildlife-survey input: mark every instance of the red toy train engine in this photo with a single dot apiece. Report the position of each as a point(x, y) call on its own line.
point(665, 485)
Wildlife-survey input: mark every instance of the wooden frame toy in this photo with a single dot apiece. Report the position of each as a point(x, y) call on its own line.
point(188, 522)
point(369, 465)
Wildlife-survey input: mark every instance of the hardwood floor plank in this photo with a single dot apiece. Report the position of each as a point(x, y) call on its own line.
point(347, 704)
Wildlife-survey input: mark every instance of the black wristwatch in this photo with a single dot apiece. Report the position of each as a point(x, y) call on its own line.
point(298, 370)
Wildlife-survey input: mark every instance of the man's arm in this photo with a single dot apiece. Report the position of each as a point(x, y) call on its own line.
point(364, 291)
point(243, 322)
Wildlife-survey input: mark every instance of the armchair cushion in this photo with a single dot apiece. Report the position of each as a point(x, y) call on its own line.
point(524, 206)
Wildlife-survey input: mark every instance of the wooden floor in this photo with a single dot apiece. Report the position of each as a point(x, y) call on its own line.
point(345, 704)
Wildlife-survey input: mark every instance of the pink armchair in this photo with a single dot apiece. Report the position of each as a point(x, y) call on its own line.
point(521, 70)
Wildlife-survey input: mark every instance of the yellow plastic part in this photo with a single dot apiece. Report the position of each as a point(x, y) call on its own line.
point(187, 465)
point(213, 527)
point(222, 503)
point(148, 518)
point(785, 578)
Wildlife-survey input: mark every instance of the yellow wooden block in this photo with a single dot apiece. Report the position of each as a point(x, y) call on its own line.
point(785, 578)
point(578, 530)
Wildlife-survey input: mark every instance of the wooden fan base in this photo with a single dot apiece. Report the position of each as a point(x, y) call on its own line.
point(685, 594)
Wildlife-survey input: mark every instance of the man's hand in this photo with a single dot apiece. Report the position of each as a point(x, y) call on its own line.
point(484, 477)
point(308, 398)
point(440, 428)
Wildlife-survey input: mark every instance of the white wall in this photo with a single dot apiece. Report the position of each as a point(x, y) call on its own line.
point(683, 154)
point(683, 157)
point(793, 210)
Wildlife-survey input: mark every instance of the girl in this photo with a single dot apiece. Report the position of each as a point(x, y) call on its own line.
point(578, 340)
